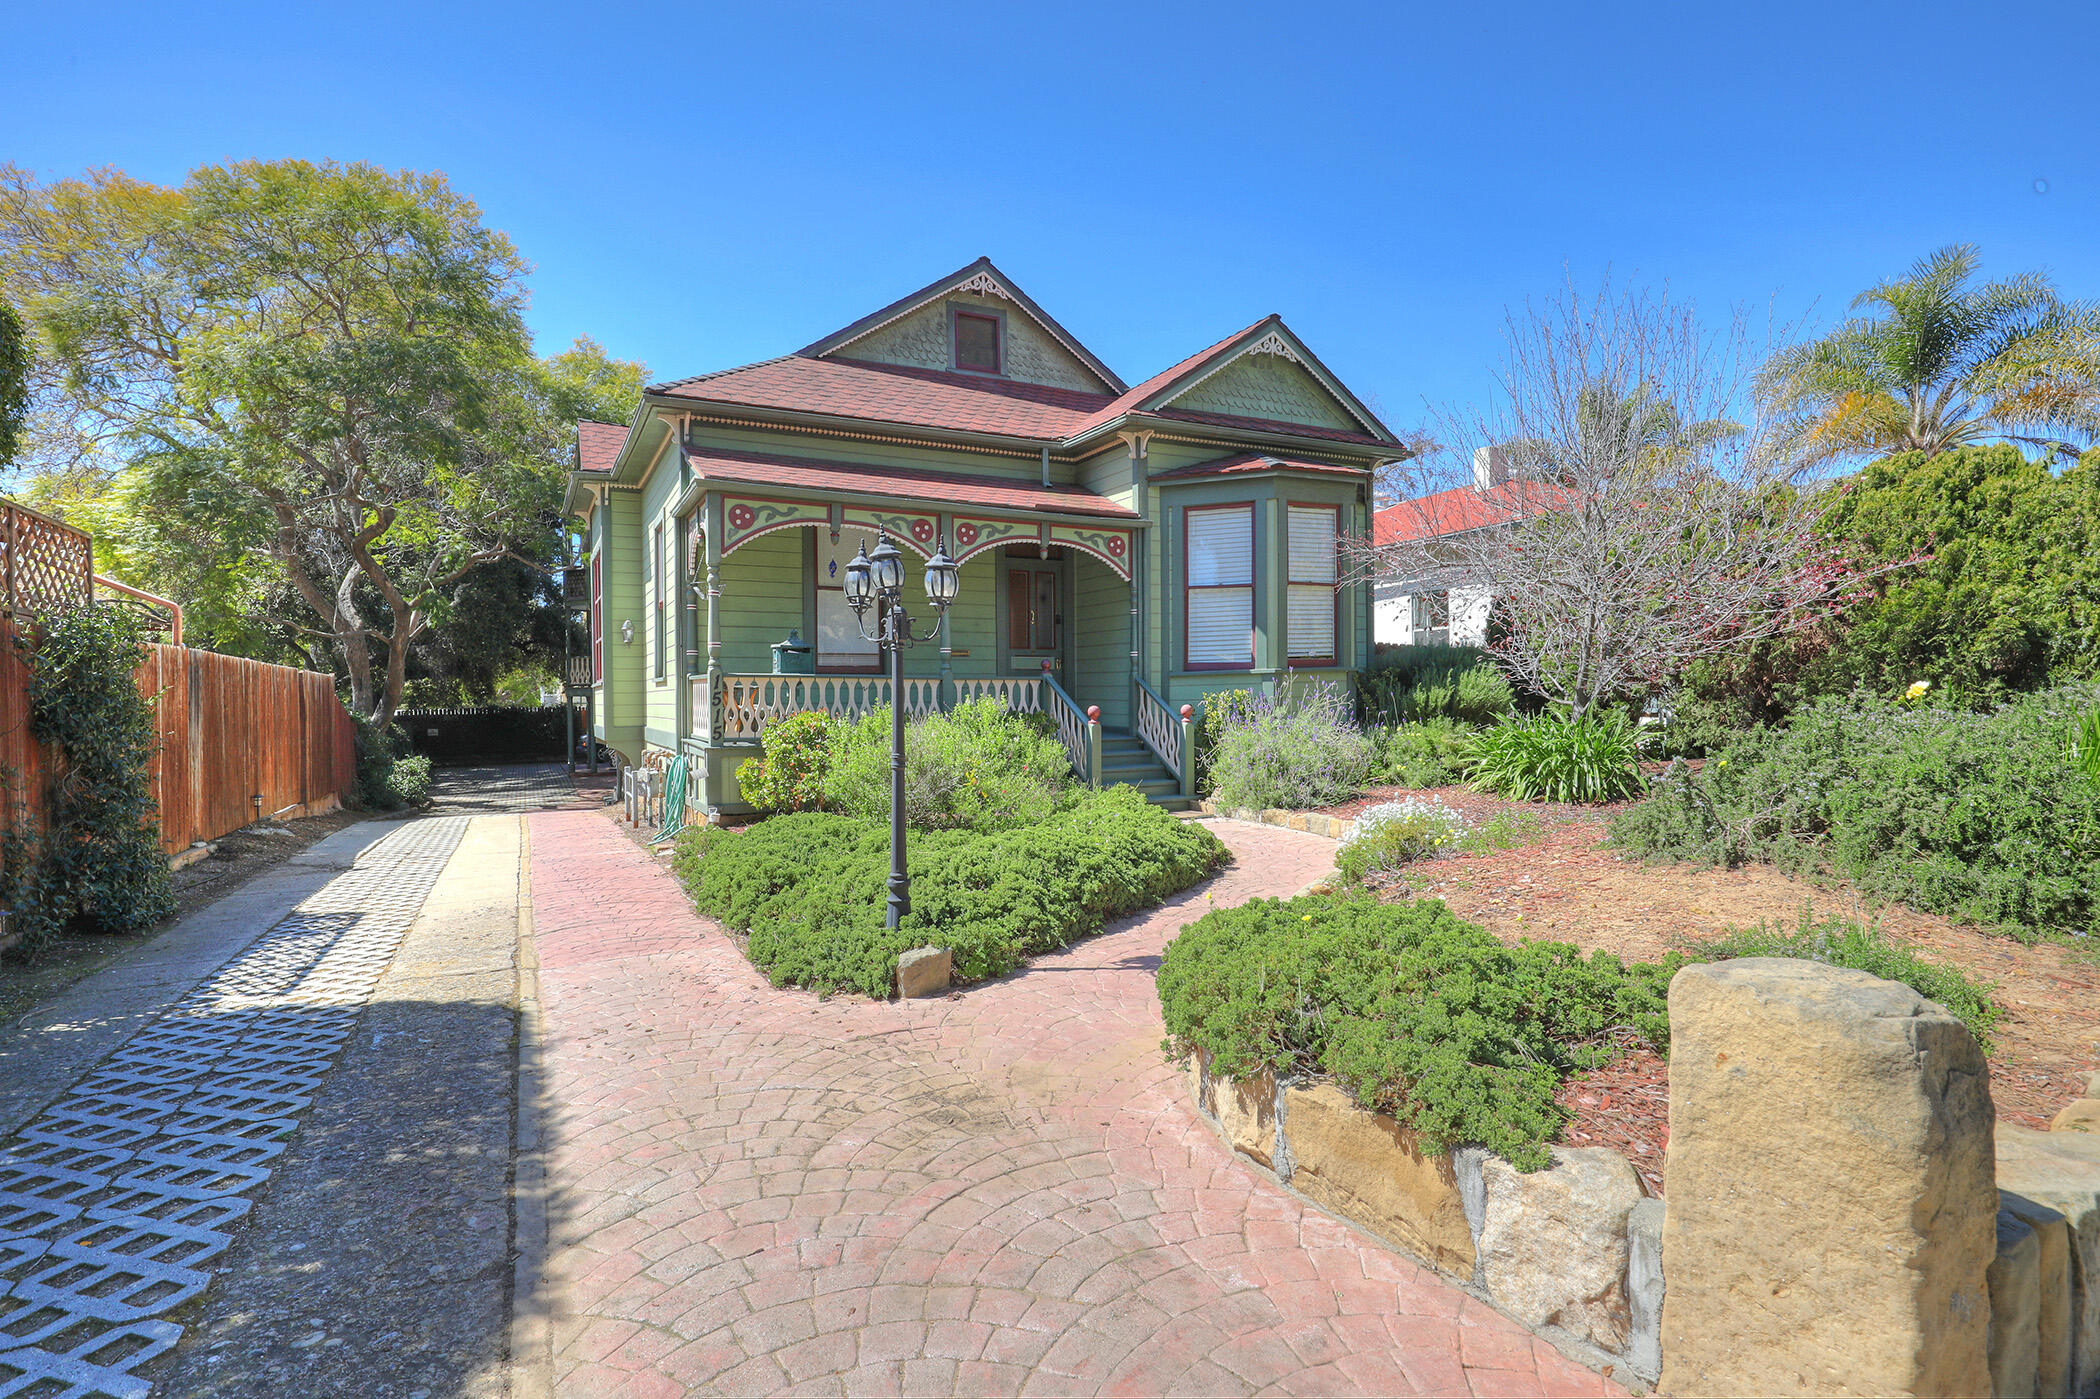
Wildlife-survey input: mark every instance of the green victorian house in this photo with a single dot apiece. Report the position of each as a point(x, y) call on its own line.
point(1125, 551)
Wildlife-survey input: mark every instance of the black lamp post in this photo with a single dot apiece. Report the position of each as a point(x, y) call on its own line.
point(877, 579)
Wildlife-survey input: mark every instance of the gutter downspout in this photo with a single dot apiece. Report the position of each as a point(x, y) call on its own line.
point(1046, 463)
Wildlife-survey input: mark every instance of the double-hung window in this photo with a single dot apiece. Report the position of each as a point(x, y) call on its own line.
point(656, 557)
point(840, 646)
point(1314, 548)
point(1218, 542)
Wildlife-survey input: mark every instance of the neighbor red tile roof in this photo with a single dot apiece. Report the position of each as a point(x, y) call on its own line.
point(1463, 508)
point(986, 492)
point(1253, 461)
point(598, 444)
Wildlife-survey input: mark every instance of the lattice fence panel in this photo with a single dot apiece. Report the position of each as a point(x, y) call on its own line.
point(46, 567)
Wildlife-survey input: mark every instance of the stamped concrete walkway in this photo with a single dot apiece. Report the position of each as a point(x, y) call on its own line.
point(752, 1191)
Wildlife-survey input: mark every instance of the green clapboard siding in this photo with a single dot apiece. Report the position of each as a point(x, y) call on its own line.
point(1101, 661)
point(761, 600)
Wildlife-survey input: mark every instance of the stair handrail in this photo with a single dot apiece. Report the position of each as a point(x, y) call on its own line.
point(1153, 720)
point(1079, 729)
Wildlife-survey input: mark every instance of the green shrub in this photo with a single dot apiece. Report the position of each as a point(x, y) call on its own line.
point(977, 767)
point(797, 763)
point(98, 867)
point(809, 888)
point(410, 780)
point(1549, 758)
point(1843, 943)
point(1220, 712)
point(1430, 752)
point(1299, 751)
point(389, 775)
point(1980, 816)
point(1416, 1012)
point(1388, 836)
point(1410, 683)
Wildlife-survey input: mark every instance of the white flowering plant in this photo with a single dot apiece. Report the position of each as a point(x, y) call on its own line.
point(1392, 834)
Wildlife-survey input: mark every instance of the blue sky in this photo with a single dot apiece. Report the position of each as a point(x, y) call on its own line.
point(704, 186)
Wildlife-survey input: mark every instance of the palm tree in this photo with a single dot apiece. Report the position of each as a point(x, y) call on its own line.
point(1940, 363)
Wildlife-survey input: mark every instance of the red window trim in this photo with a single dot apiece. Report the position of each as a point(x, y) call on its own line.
point(1333, 658)
point(1188, 587)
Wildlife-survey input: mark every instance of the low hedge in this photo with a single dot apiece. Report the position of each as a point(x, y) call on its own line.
point(809, 890)
point(1428, 1018)
point(1416, 1012)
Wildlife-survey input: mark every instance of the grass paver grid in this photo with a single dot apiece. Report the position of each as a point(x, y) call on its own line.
point(115, 1197)
point(1005, 1191)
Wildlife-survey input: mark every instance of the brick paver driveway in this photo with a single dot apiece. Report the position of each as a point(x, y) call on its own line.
point(1003, 1192)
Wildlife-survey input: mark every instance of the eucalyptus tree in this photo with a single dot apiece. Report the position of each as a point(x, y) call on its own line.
point(1940, 361)
point(314, 375)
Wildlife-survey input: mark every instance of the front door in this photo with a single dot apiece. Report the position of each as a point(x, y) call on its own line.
point(1033, 598)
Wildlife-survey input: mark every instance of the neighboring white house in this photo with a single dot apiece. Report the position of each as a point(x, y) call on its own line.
point(1442, 611)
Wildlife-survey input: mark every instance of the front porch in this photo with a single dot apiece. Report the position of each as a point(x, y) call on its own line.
point(1042, 622)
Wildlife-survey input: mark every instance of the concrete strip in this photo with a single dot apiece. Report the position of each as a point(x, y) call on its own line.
point(46, 1050)
point(377, 1263)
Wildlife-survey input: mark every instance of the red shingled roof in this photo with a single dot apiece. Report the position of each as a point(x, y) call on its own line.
point(1463, 508)
point(598, 444)
point(937, 398)
point(1253, 461)
point(987, 492)
point(894, 393)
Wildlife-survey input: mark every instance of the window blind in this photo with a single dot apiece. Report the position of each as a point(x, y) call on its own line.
point(1220, 589)
point(1313, 565)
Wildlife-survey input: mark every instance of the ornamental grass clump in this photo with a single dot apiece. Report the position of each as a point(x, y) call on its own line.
point(1414, 1011)
point(1413, 683)
point(1299, 750)
point(1391, 835)
point(807, 888)
point(1548, 758)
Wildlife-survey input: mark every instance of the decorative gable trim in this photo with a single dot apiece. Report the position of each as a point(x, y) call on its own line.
point(1276, 340)
point(984, 279)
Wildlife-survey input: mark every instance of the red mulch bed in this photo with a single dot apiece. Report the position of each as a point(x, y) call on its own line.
point(1568, 886)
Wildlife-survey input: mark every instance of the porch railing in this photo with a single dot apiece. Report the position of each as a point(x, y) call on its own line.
point(1170, 736)
point(744, 704)
point(1078, 729)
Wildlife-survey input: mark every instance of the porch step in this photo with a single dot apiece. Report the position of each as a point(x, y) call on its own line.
point(1126, 760)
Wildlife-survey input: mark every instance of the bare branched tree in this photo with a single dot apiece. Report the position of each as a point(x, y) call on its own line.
point(1622, 502)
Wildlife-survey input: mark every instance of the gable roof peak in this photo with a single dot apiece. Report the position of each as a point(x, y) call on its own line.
point(984, 278)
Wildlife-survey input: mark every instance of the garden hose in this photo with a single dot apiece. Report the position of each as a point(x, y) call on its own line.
point(674, 801)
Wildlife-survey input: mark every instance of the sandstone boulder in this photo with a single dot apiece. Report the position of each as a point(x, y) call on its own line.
point(1553, 1242)
point(2061, 1172)
point(1366, 1167)
point(2081, 1116)
point(924, 971)
point(1644, 1288)
point(2016, 1302)
point(1246, 1113)
point(1832, 1214)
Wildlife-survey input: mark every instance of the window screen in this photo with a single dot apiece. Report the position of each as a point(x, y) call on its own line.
point(977, 343)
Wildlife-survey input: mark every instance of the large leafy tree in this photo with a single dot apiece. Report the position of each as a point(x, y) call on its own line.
point(309, 380)
point(1941, 361)
point(14, 379)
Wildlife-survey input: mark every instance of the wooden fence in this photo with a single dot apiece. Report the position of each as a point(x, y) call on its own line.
point(231, 730)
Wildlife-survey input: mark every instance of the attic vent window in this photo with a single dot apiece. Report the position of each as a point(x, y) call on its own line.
point(976, 343)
